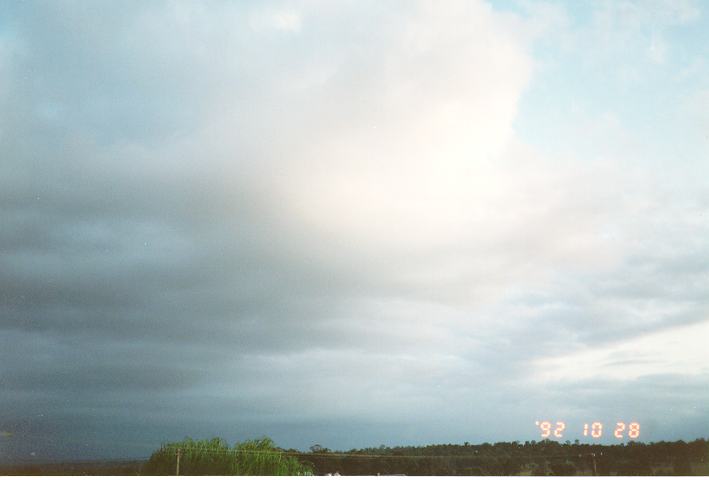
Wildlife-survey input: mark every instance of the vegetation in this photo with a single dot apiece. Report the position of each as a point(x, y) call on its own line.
point(515, 458)
point(214, 457)
point(262, 457)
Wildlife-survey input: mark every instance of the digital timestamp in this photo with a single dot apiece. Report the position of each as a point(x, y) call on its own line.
point(594, 429)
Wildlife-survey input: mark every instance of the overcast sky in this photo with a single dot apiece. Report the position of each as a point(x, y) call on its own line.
point(350, 223)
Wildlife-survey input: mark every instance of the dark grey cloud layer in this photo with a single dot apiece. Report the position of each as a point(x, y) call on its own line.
point(179, 253)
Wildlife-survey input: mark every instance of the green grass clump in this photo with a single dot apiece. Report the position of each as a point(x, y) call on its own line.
point(214, 457)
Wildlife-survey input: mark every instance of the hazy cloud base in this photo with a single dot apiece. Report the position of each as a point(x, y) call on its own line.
point(321, 222)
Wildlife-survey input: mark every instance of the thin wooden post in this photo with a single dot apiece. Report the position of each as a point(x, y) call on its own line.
point(177, 468)
point(593, 456)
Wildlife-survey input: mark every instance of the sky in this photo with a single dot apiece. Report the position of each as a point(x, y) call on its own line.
point(351, 223)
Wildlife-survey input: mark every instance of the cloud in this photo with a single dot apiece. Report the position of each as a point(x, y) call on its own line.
point(285, 20)
point(678, 351)
point(251, 219)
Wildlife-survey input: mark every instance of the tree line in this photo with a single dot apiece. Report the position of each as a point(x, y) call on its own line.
point(514, 458)
point(547, 457)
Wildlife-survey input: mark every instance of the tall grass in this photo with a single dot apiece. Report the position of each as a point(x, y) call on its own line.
point(214, 457)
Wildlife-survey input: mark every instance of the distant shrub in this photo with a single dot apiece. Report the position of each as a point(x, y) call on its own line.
point(565, 469)
point(214, 457)
point(633, 467)
point(682, 466)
